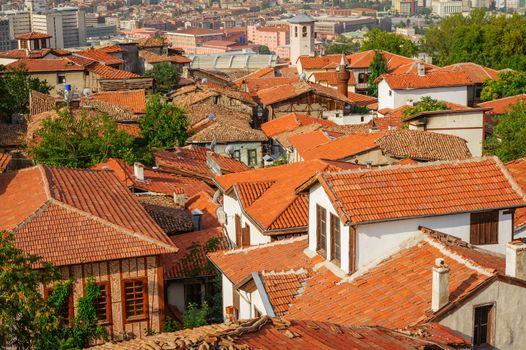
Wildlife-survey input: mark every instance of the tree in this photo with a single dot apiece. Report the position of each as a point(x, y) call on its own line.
point(509, 84)
point(194, 316)
point(15, 86)
point(80, 141)
point(377, 67)
point(341, 45)
point(507, 141)
point(376, 39)
point(165, 76)
point(264, 50)
point(164, 125)
point(426, 104)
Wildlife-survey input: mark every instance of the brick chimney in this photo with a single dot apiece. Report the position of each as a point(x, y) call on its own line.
point(342, 77)
point(138, 171)
point(440, 285)
point(516, 259)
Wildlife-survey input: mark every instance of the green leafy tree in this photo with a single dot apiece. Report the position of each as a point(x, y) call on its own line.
point(507, 141)
point(165, 76)
point(25, 317)
point(376, 39)
point(194, 316)
point(341, 45)
point(509, 84)
point(264, 50)
point(15, 86)
point(426, 104)
point(80, 141)
point(164, 125)
point(377, 67)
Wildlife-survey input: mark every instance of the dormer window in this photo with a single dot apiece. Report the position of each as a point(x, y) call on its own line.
point(321, 231)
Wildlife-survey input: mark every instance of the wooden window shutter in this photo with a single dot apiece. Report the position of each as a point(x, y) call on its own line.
point(235, 298)
point(245, 236)
point(238, 230)
point(318, 227)
point(331, 230)
point(484, 227)
point(352, 249)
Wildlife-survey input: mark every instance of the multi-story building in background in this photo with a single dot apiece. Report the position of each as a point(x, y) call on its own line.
point(66, 25)
point(191, 38)
point(5, 40)
point(271, 37)
point(19, 23)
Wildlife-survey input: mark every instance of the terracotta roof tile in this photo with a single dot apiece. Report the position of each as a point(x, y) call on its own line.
point(33, 35)
point(5, 159)
point(517, 169)
point(132, 129)
point(111, 49)
point(306, 141)
point(12, 135)
point(363, 59)
point(321, 62)
point(180, 265)
point(475, 72)
point(100, 56)
point(281, 289)
point(152, 57)
point(134, 99)
point(107, 72)
point(330, 78)
point(172, 218)
point(291, 122)
point(423, 145)
point(433, 79)
point(45, 65)
point(502, 105)
point(204, 203)
point(456, 186)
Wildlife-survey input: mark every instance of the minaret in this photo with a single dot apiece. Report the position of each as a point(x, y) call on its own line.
point(342, 77)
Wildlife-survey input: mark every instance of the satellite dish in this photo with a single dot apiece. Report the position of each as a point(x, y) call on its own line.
point(229, 150)
point(86, 92)
point(204, 81)
point(303, 76)
point(211, 116)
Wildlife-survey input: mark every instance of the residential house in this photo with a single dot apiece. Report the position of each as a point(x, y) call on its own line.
point(517, 169)
point(396, 90)
point(150, 59)
point(102, 56)
point(156, 45)
point(198, 162)
point(478, 75)
point(264, 333)
point(392, 246)
point(496, 108)
point(226, 131)
point(69, 211)
point(261, 205)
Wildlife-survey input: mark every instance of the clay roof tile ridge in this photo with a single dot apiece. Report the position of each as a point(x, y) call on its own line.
point(260, 246)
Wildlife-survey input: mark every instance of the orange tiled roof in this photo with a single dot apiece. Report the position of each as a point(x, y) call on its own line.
point(304, 142)
point(321, 62)
point(71, 216)
point(155, 181)
point(468, 185)
point(111, 49)
point(254, 85)
point(100, 56)
point(178, 265)
point(260, 73)
point(279, 93)
point(204, 202)
point(502, 105)
point(433, 79)
point(517, 169)
point(475, 72)
point(5, 158)
point(256, 188)
point(41, 65)
point(363, 59)
point(291, 122)
point(134, 99)
point(281, 288)
point(152, 57)
point(33, 35)
point(330, 78)
point(107, 72)
point(132, 129)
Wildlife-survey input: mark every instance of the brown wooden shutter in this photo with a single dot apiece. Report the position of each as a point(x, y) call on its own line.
point(318, 227)
point(238, 230)
point(332, 218)
point(352, 249)
point(484, 227)
point(245, 236)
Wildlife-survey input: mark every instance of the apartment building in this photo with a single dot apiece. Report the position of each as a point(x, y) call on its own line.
point(271, 37)
point(19, 23)
point(66, 25)
point(191, 38)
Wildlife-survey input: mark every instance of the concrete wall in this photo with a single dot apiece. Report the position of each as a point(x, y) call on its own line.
point(509, 320)
point(228, 290)
point(75, 79)
point(231, 207)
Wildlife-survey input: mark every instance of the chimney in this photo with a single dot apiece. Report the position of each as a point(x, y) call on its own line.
point(440, 285)
point(196, 219)
point(516, 259)
point(138, 171)
point(180, 199)
point(342, 78)
point(421, 69)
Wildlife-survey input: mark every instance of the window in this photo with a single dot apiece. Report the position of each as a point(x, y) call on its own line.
point(304, 31)
point(103, 303)
point(66, 311)
point(483, 325)
point(135, 299)
point(390, 92)
point(335, 239)
point(252, 157)
point(238, 230)
point(192, 294)
point(236, 155)
point(245, 236)
point(321, 231)
point(484, 228)
point(61, 78)
point(362, 78)
point(295, 32)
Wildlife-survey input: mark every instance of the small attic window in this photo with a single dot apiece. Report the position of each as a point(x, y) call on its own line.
point(304, 31)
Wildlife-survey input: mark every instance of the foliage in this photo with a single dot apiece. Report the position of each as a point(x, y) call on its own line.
point(80, 141)
point(170, 325)
point(376, 39)
point(377, 67)
point(25, 317)
point(488, 39)
point(15, 86)
point(193, 255)
point(507, 141)
point(264, 50)
point(510, 84)
point(360, 109)
point(164, 124)
point(341, 45)
point(165, 75)
point(426, 104)
point(194, 316)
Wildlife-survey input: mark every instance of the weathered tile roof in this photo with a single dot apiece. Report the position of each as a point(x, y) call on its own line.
point(5, 158)
point(475, 72)
point(223, 131)
point(502, 105)
point(107, 72)
point(204, 203)
point(428, 189)
point(321, 62)
point(268, 334)
point(12, 135)
point(44, 65)
point(291, 122)
point(72, 216)
point(433, 79)
point(517, 169)
point(305, 141)
point(186, 263)
point(281, 288)
point(257, 188)
point(33, 35)
point(101, 56)
point(163, 210)
point(39, 102)
point(152, 57)
point(423, 145)
point(154, 181)
point(363, 59)
point(330, 78)
point(284, 138)
point(133, 99)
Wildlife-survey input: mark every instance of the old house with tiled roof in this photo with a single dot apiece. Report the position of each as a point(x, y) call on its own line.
point(517, 169)
point(89, 225)
point(410, 251)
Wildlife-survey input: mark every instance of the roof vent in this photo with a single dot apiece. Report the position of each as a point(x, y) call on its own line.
point(421, 68)
point(196, 219)
point(138, 171)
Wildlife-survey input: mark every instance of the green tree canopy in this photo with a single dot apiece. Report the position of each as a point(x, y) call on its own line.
point(377, 67)
point(341, 44)
point(164, 125)
point(426, 104)
point(80, 141)
point(510, 84)
point(491, 40)
point(264, 50)
point(391, 42)
point(507, 141)
point(165, 75)
point(15, 86)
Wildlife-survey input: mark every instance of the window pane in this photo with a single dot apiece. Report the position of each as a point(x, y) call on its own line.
point(134, 298)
